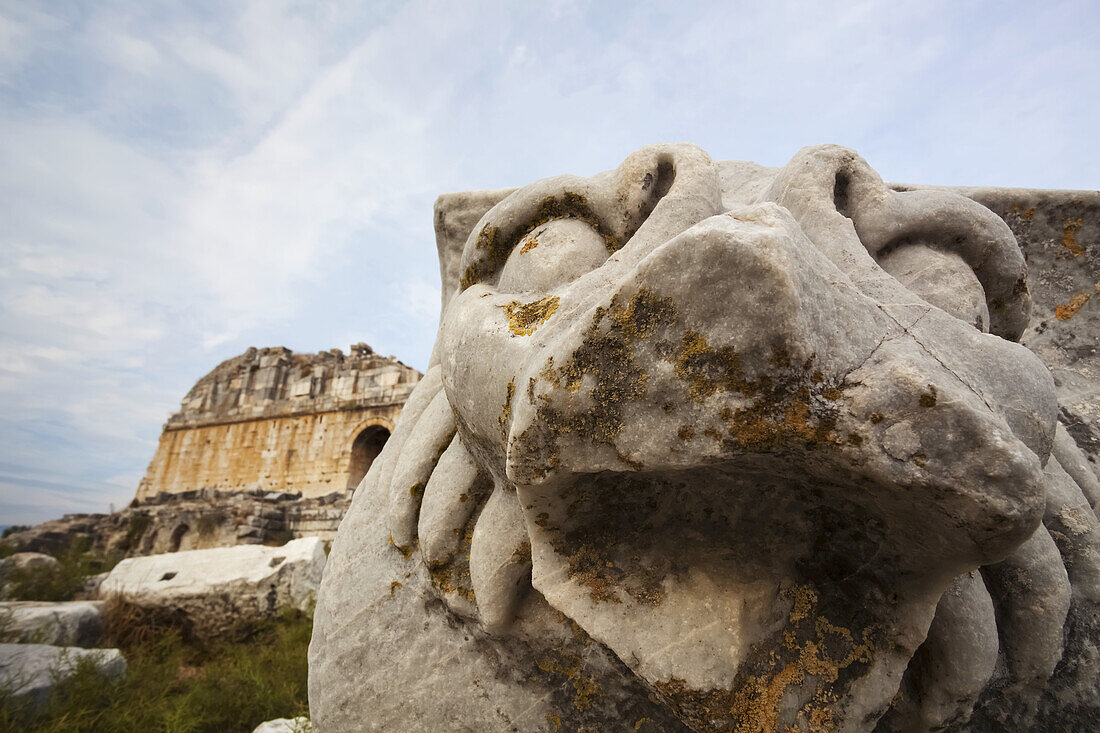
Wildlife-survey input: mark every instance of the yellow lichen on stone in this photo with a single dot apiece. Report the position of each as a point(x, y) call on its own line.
point(1023, 213)
point(524, 318)
point(804, 600)
point(529, 245)
point(453, 576)
point(405, 550)
point(571, 666)
point(1069, 237)
point(1076, 303)
point(506, 410)
point(496, 251)
point(758, 701)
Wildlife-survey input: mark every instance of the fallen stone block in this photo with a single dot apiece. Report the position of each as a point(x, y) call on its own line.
point(32, 670)
point(74, 623)
point(213, 589)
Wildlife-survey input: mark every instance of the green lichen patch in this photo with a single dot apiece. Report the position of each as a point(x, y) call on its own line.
point(606, 358)
point(784, 411)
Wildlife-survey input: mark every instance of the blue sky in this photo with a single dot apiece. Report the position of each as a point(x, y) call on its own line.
point(179, 181)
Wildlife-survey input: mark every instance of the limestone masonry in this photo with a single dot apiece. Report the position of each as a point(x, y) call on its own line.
point(276, 421)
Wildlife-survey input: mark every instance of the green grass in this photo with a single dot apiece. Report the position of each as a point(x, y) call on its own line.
point(174, 685)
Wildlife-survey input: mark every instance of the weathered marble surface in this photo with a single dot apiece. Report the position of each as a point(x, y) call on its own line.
point(70, 623)
point(32, 670)
point(284, 725)
point(717, 446)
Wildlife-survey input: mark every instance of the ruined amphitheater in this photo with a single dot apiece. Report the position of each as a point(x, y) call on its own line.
point(273, 420)
point(267, 447)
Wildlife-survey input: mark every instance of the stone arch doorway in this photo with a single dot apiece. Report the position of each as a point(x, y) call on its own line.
point(179, 539)
point(368, 444)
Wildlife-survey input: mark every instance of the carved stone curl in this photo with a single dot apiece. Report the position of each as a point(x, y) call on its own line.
point(725, 448)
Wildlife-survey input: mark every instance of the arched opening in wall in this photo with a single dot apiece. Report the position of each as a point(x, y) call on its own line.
point(149, 541)
point(178, 536)
point(368, 444)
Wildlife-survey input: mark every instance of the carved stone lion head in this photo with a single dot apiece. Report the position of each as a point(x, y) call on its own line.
point(762, 437)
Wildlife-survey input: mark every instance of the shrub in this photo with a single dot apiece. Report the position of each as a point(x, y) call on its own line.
point(173, 685)
point(138, 524)
point(42, 583)
point(209, 522)
point(13, 529)
point(278, 537)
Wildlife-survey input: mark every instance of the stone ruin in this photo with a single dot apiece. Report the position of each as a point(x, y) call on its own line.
point(265, 448)
point(717, 447)
point(273, 420)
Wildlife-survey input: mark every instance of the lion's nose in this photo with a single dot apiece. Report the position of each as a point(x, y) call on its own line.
point(739, 309)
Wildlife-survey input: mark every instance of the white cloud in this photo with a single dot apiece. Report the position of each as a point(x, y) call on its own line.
point(178, 185)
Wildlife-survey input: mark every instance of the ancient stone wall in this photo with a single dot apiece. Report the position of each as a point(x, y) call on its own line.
point(273, 420)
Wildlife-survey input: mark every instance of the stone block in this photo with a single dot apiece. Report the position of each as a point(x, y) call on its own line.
point(32, 670)
point(215, 588)
point(72, 623)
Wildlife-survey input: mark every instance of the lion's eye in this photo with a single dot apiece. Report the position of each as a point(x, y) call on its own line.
point(942, 278)
point(551, 255)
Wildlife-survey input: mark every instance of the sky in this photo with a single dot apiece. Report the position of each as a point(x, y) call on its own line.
point(180, 181)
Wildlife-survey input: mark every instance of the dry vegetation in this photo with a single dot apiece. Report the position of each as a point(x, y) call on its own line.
point(173, 682)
